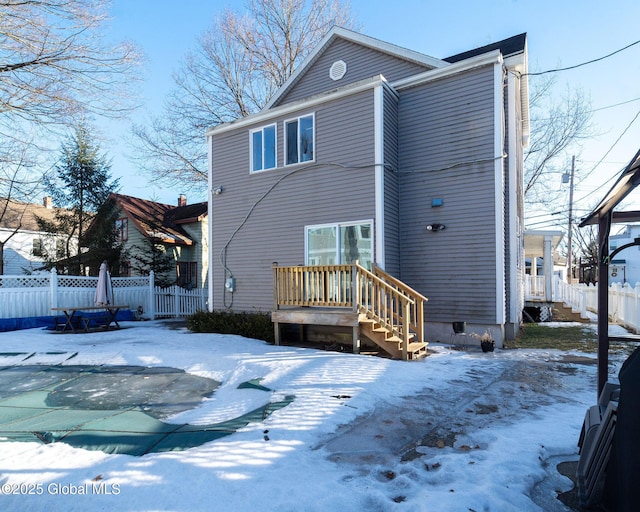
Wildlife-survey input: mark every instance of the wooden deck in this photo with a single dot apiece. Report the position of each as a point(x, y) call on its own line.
point(374, 304)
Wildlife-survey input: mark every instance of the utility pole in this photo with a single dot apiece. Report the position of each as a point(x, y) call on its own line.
point(570, 229)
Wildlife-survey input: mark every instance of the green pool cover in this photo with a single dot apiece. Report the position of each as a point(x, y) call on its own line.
point(116, 409)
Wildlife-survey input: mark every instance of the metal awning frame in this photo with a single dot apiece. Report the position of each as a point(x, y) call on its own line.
point(604, 216)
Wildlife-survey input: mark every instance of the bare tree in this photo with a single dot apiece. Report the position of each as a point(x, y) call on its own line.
point(558, 126)
point(55, 69)
point(587, 242)
point(17, 182)
point(236, 67)
point(54, 65)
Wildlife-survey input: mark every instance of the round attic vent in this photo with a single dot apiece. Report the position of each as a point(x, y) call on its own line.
point(338, 70)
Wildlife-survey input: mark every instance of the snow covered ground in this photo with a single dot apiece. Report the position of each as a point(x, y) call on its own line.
point(457, 431)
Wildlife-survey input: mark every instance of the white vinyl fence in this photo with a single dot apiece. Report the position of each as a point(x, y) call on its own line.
point(34, 295)
point(175, 301)
point(624, 301)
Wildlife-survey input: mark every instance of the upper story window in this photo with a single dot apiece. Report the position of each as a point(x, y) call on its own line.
point(263, 148)
point(37, 249)
point(299, 139)
point(61, 248)
point(122, 229)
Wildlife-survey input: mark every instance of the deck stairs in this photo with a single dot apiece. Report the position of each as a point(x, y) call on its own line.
point(392, 342)
point(378, 307)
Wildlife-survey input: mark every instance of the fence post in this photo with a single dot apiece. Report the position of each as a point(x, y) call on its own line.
point(53, 287)
point(355, 287)
point(583, 303)
point(152, 296)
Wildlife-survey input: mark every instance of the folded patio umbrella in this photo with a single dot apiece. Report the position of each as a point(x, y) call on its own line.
point(104, 291)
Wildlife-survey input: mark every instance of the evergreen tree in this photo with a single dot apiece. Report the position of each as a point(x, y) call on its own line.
point(103, 242)
point(152, 254)
point(80, 189)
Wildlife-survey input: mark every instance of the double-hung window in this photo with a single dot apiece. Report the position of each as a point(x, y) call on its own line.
point(37, 249)
point(122, 230)
point(299, 139)
point(263, 148)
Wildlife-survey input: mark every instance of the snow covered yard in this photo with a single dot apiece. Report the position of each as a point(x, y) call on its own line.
point(458, 431)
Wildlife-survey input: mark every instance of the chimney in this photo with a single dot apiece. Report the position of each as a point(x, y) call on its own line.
point(47, 202)
point(182, 200)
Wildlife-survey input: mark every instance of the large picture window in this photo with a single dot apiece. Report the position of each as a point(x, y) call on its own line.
point(263, 148)
point(336, 244)
point(299, 139)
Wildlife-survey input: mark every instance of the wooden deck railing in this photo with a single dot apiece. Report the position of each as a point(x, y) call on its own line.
point(378, 295)
point(416, 316)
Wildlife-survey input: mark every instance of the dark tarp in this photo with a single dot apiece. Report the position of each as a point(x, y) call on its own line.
point(115, 409)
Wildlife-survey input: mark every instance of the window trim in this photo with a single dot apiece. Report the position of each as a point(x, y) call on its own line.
point(191, 272)
point(297, 119)
point(122, 235)
point(338, 226)
point(61, 248)
point(37, 247)
point(275, 148)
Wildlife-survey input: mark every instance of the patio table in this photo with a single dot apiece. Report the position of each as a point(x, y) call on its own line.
point(70, 314)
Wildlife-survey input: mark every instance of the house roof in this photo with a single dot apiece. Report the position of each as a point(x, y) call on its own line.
point(18, 215)
point(513, 49)
point(534, 241)
point(628, 180)
point(159, 220)
point(350, 35)
point(189, 213)
point(508, 47)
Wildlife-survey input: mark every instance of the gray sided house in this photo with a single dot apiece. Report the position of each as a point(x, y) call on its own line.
point(375, 153)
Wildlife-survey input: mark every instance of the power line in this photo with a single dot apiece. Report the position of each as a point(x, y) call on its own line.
point(540, 119)
point(614, 105)
point(609, 151)
point(583, 63)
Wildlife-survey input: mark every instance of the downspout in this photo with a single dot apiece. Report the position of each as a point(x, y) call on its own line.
point(498, 142)
point(516, 297)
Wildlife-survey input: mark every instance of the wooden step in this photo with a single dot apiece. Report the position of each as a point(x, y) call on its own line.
point(392, 343)
point(397, 339)
point(417, 350)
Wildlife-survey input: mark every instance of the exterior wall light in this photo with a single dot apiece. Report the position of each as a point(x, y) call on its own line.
point(217, 191)
point(435, 227)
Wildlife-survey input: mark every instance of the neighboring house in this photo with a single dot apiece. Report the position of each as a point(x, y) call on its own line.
point(625, 266)
point(23, 244)
point(542, 265)
point(180, 230)
point(381, 154)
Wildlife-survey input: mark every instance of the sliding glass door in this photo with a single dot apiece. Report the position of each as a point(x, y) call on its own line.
point(336, 244)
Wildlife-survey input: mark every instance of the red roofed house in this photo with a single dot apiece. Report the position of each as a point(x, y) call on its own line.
point(180, 231)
